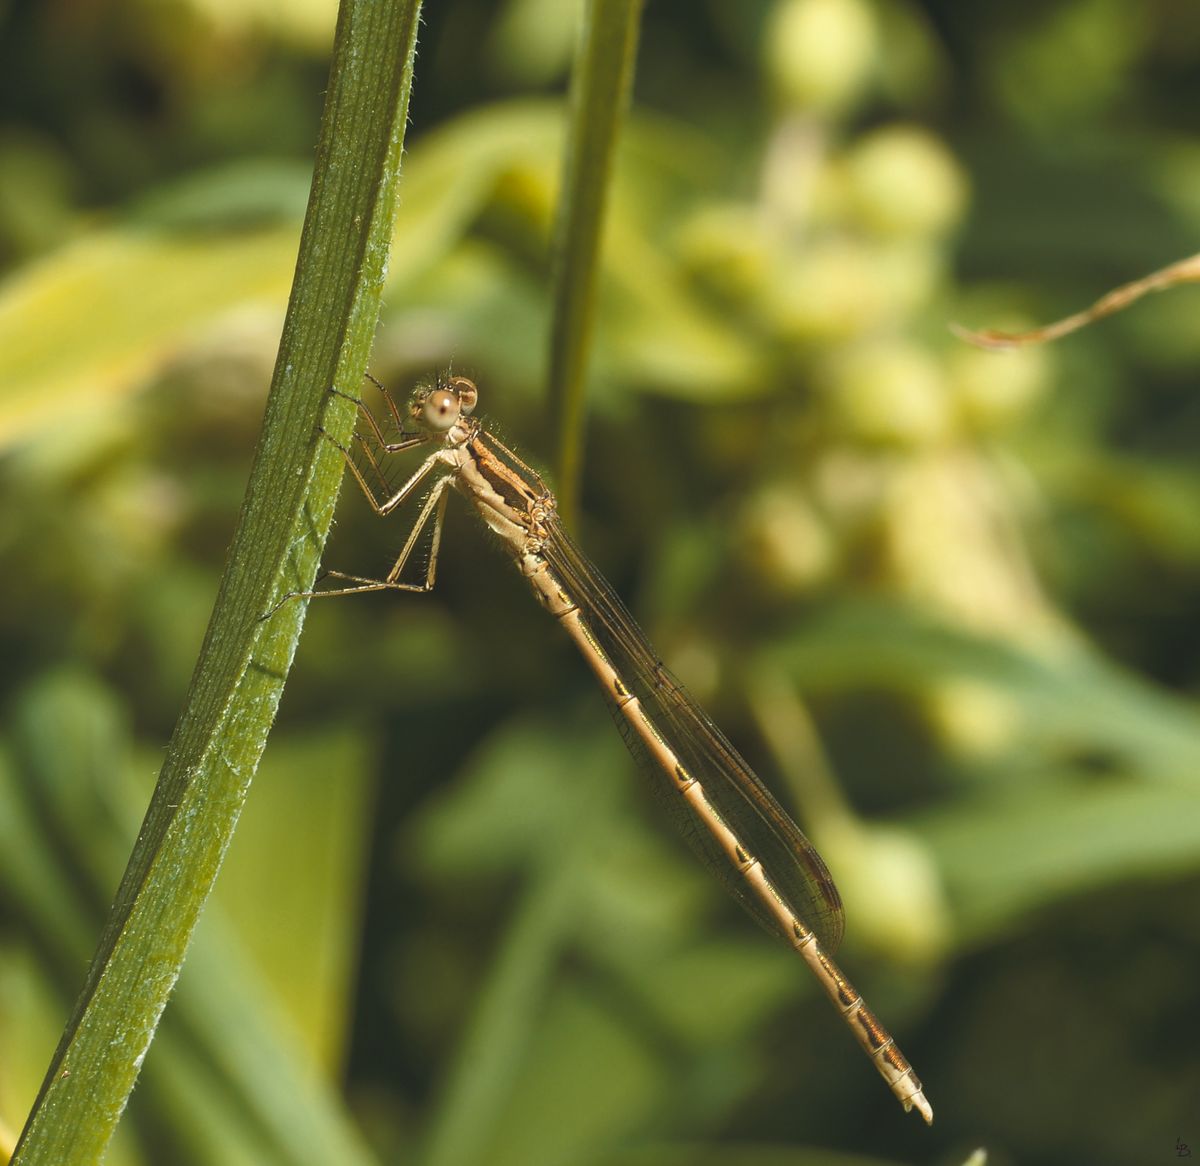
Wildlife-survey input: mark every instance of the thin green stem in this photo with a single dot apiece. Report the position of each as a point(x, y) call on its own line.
point(600, 86)
point(244, 660)
point(503, 1021)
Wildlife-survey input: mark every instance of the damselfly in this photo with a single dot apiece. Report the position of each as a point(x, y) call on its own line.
point(727, 814)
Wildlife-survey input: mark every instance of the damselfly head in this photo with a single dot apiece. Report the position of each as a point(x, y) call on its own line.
point(439, 408)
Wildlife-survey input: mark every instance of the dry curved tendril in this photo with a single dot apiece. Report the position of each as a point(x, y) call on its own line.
point(1183, 271)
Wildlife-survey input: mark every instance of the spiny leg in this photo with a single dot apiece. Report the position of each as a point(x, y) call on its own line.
point(373, 461)
point(434, 506)
point(390, 401)
point(363, 444)
point(384, 508)
point(407, 440)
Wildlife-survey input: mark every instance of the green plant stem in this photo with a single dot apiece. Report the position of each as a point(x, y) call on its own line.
point(244, 660)
point(600, 86)
point(503, 1020)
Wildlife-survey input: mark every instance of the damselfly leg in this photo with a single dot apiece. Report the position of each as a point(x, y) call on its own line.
point(433, 509)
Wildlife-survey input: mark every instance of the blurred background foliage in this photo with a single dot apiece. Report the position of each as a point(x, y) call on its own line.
point(944, 599)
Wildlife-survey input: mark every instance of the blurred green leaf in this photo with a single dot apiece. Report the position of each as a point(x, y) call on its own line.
point(1064, 697)
point(1037, 830)
point(82, 328)
point(566, 1105)
point(228, 1075)
point(240, 196)
point(694, 1153)
point(1008, 854)
point(297, 868)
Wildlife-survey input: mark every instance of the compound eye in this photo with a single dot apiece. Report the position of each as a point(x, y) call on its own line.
point(466, 392)
point(441, 409)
